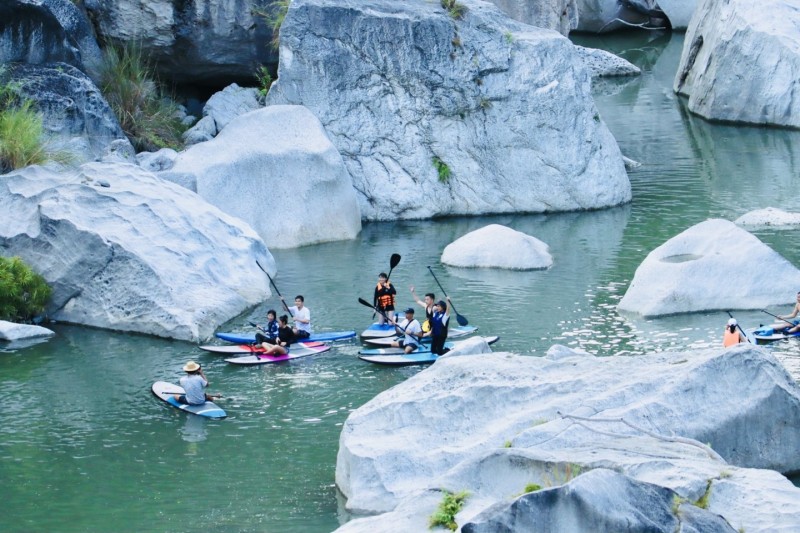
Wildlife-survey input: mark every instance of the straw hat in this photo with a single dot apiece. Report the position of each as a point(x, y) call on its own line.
point(191, 366)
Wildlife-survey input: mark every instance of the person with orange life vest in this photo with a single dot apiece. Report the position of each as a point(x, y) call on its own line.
point(733, 335)
point(383, 300)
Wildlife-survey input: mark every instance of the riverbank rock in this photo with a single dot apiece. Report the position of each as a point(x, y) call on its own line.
point(291, 186)
point(441, 116)
point(741, 62)
point(11, 331)
point(497, 425)
point(127, 251)
point(496, 246)
point(558, 15)
point(769, 216)
point(603, 16)
point(75, 115)
point(714, 265)
point(213, 42)
point(603, 64)
point(32, 34)
point(220, 109)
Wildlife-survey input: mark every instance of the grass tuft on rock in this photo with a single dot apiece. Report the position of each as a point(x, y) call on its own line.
point(21, 129)
point(23, 293)
point(445, 515)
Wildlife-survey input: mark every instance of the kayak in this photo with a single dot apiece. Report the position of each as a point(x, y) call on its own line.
point(378, 334)
point(425, 348)
point(414, 358)
point(247, 338)
point(454, 332)
point(763, 335)
point(164, 391)
point(301, 349)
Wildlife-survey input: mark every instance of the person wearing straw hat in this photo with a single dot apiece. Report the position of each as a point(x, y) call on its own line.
point(733, 335)
point(194, 384)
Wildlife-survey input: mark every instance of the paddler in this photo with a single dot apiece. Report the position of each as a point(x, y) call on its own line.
point(383, 299)
point(194, 384)
point(733, 334)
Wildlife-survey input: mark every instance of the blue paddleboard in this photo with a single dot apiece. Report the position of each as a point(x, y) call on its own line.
point(421, 349)
point(164, 391)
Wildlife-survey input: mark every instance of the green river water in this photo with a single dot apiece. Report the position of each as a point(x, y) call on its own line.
point(84, 446)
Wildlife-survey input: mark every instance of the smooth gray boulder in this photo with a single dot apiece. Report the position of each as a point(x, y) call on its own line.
point(603, 64)
point(161, 160)
point(75, 115)
point(496, 246)
point(276, 169)
point(192, 41)
point(714, 265)
point(11, 331)
point(498, 423)
point(127, 251)
point(769, 216)
point(441, 116)
point(220, 109)
point(558, 15)
point(741, 62)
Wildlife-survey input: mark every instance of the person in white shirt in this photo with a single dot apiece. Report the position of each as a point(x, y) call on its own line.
point(412, 330)
point(302, 318)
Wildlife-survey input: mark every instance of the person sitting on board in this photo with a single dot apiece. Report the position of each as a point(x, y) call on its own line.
point(302, 318)
point(384, 298)
point(194, 384)
point(269, 332)
point(733, 335)
point(787, 325)
point(412, 333)
point(427, 304)
point(279, 345)
point(439, 324)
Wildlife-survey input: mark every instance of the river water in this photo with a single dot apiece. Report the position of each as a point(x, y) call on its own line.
point(84, 446)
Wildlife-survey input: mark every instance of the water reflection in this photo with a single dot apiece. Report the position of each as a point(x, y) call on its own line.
point(194, 430)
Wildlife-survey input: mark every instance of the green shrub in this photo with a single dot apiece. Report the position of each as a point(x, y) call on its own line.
point(445, 514)
point(148, 117)
point(454, 8)
point(21, 129)
point(532, 487)
point(442, 169)
point(264, 80)
point(274, 15)
point(23, 292)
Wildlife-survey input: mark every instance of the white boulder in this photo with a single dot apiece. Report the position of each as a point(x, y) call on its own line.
point(496, 424)
point(496, 246)
point(276, 169)
point(558, 15)
point(11, 331)
point(741, 62)
point(679, 12)
point(769, 216)
point(125, 250)
point(714, 265)
point(442, 116)
point(220, 110)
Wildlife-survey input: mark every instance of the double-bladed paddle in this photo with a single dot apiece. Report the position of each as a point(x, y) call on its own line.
point(460, 319)
point(365, 303)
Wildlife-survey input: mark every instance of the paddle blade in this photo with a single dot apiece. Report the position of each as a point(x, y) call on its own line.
point(365, 303)
point(462, 320)
point(394, 260)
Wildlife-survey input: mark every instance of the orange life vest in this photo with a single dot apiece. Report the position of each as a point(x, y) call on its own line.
point(384, 300)
point(730, 339)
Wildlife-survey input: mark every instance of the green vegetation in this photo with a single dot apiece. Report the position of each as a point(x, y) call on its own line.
point(677, 501)
point(532, 487)
point(147, 115)
point(445, 514)
point(21, 129)
point(274, 15)
point(454, 8)
point(560, 477)
point(442, 169)
point(264, 80)
point(509, 37)
point(23, 292)
point(508, 444)
point(702, 503)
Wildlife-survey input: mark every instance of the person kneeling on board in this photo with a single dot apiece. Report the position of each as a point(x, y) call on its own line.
point(413, 331)
point(732, 334)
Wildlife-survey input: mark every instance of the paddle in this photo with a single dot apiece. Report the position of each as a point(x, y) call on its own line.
point(792, 324)
point(460, 319)
point(276, 289)
point(365, 303)
point(739, 327)
point(394, 260)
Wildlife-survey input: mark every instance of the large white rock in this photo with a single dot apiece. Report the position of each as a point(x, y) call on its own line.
point(769, 216)
point(493, 424)
point(439, 116)
point(125, 250)
point(741, 62)
point(276, 169)
point(220, 109)
point(558, 15)
point(11, 331)
point(496, 246)
point(714, 265)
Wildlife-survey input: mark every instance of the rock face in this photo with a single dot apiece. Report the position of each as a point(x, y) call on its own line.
point(10, 331)
point(679, 12)
point(602, 16)
point(558, 15)
point(220, 109)
point(711, 266)
point(496, 424)
point(32, 34)
point(435, 115)
point(496, 246)
point(125, 250)
point(769, 216)
point(741, 62)
point(276, 169)
point(75, 114)
point(191, 41)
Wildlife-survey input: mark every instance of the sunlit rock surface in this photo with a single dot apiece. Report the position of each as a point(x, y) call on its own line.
point(496, 246)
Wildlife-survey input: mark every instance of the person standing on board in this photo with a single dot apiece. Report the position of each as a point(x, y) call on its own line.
point(439, 324)
point(194, 384)
point(427, 304)
point(279, 345)
point(413, 332)
point(302, 318)
point(733, 335)
point(384, 296)
point(789, 330)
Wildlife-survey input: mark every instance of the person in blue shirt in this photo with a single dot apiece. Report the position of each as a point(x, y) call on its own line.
point(269, 332)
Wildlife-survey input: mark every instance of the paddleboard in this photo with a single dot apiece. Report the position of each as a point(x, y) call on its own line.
point(164, 391)
point(425, 348)
point(301, 349)
point(304, 348)
point(247, 338)
point(764, 335)
point(454, 332)
point(376, 331)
